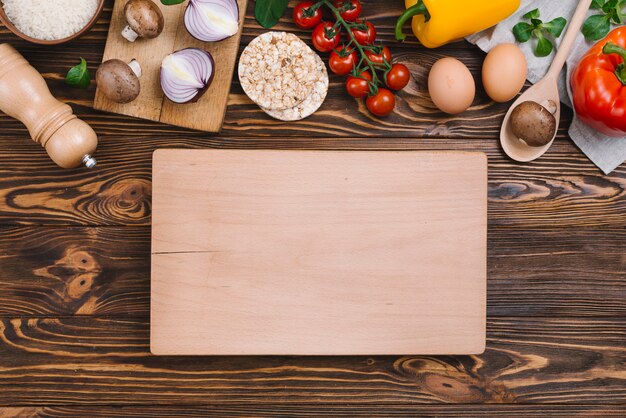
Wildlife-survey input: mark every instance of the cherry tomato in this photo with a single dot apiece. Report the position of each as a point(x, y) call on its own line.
point(326, 37)
point(350, 9)
point(382, 103)
point(359, 86)
point(379, 57)
point(342, 60)
point(365, 37)
point(398, 77)
point(305, 16)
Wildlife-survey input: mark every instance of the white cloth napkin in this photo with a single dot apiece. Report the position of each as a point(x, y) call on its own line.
point(605, 152)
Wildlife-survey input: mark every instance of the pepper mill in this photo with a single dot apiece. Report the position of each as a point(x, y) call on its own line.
point(25, 96)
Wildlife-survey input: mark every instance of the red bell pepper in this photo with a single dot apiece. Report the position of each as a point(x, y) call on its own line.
point(599, 85)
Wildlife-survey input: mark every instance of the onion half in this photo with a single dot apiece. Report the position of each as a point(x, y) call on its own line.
point(212, 20)
point(186, 74)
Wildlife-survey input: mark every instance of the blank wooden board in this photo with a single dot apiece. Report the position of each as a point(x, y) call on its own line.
point(207, 114)
point(318, 252)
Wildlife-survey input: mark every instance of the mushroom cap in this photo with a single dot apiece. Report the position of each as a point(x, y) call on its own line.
point(533, 123)
point(144, 17)
point(117, 81)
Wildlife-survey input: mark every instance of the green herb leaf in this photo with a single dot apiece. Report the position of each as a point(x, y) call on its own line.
point(543, 32)
point(597, 4)
point(269, 12)
point(596, 27)
point(522, 31)
point(616, 16)
point(78, 75)
point(536, 22)
point(609, 6)
point(556, 26)
point(171, 2)
point(533, 14)
point(544, 46)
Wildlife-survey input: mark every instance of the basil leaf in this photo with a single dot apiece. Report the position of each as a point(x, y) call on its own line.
point(544, 46)
point(556, 26)
point(78, 75)
point(269, 12)
point(533, 14)
point(171, 2)
point(596, 27)
point(522, 31)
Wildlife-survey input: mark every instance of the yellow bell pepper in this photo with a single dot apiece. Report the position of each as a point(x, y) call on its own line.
point(437, 22)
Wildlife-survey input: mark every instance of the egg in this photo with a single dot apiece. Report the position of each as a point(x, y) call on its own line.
point(451, 86)
point(504, 72)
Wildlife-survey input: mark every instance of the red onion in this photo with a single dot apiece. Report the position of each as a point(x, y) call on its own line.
point(212, 20)
point(186, 74)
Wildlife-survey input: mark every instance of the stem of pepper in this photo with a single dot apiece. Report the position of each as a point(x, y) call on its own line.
point(417, 9)
point(620, 71)
point(353, 40)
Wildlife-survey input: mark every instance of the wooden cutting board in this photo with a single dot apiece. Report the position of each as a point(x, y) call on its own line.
point(207, 114)
point(318, 252)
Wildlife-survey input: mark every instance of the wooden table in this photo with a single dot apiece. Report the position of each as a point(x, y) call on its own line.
point(75, 279)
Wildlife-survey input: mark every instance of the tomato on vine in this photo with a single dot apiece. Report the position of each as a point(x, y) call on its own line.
point(364, 33)
point(379, 55)
point(307, 14)
point(342, 60)
point(350, 10)
point(397, 77)
point(370, 73)
point(381, 103)
point(358, 86)
point(326, 37)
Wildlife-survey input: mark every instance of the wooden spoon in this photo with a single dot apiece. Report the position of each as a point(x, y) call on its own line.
point(543, 92)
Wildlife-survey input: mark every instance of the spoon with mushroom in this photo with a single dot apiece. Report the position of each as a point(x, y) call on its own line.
point(530, 125)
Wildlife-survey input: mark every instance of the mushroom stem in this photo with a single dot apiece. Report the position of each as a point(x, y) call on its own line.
point(549, 105)
point(129, 34)
point(136, 67)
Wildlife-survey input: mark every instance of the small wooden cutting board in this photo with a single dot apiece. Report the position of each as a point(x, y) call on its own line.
point(318, 252)
point(207, 114)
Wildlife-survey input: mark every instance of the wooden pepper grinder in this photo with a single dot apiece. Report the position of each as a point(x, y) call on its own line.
point(25, 96)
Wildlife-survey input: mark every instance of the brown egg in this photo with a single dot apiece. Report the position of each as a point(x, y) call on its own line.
point(504, 72)
point(451, 86)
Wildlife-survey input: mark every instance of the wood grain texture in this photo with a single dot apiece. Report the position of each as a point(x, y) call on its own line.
point(557, 265)
point(563, 189)
point(107, 361)
point(207, 114)
point(318, 252)
point(546, 272)
point(314, 410)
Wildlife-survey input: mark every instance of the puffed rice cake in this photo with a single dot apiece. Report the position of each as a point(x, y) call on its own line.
point(311, 103)
point(277, 70)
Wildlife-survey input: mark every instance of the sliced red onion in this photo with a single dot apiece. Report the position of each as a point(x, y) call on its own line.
point(186, 74)
point(212, 20)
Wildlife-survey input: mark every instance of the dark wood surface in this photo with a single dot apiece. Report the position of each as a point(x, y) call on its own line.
point(74, 267)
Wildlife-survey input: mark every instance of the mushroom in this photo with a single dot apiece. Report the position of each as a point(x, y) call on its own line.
point(144, 20)
point(119, 81)
point(533, 123)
